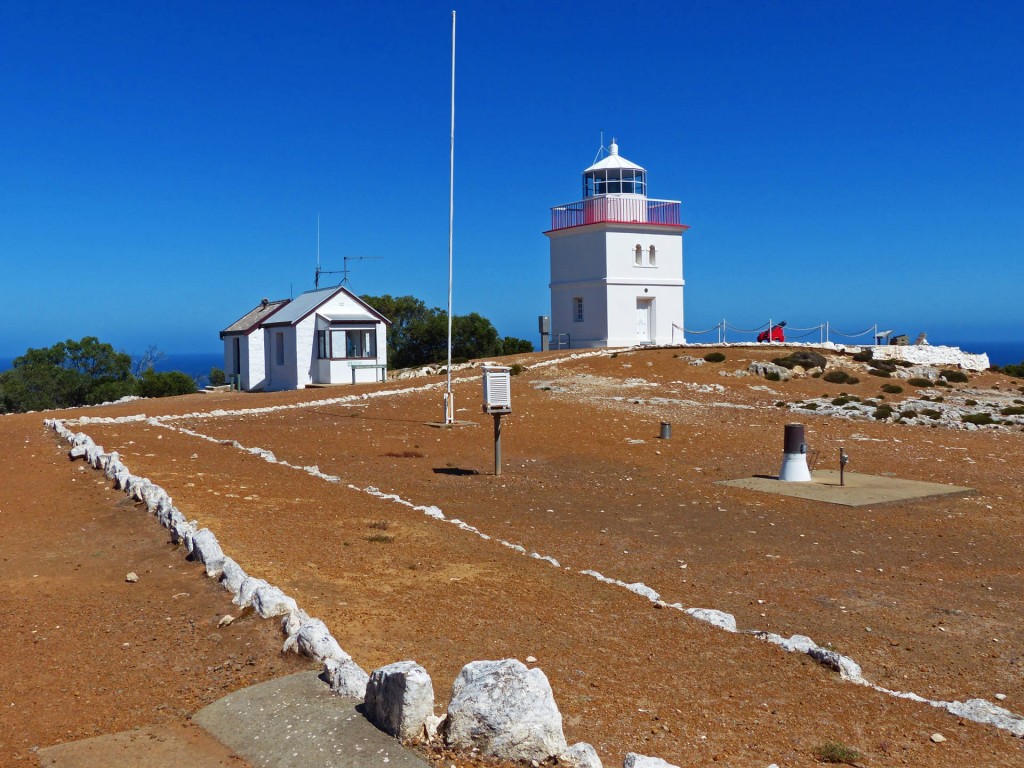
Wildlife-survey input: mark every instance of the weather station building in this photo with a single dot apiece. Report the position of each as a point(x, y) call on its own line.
point(616, 262)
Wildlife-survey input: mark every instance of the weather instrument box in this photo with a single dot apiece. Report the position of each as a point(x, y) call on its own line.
point(497, 389)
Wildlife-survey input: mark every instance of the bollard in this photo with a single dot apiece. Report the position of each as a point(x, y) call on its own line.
point(666, 430)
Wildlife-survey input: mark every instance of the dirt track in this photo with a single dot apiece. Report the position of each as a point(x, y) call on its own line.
point(924, 595)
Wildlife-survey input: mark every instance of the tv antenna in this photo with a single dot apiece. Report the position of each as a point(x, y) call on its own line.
point(344, 271)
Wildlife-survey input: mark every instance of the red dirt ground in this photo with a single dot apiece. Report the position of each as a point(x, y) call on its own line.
point(923, 594)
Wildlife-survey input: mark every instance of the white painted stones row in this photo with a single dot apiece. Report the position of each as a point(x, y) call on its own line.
point(501, 708)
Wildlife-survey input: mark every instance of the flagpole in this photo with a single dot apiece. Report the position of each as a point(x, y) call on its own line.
point(449, 402)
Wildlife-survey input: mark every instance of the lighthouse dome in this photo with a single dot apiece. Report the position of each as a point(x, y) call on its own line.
point(614, 175)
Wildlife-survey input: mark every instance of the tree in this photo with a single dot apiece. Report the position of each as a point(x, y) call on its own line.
point(68, 374)
point(419, 335)
point(148, 359)
point(510, 345)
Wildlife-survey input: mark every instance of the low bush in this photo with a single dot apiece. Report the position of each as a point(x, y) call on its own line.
point(842, 400)
point(970, 402)
point(880, 372)
point(217, 377)
point(892, 389)
point(805, 358)
point(834, 752)
point(910, 413)
point(957, 377)
point(883, 411)
point(919, 382)
point(1011, 410)
point(165, 384)
point(810, 406)
point(931, 413)
point(977, 418)
point(772, 376)
point(837, 376)
point(864, 356)
point(515, 369)
point(853, 380)
point(780, 404)
point(714, 357)
point(883, 365)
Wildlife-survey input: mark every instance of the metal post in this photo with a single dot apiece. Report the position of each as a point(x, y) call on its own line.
point(826, 331)
point(843, 458)
point(497, 444)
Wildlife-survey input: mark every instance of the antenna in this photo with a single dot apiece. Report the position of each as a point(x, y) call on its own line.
point(600, 151)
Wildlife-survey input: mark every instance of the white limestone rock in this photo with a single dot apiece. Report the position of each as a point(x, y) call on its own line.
point(269, 601)
point(78, 452)
point(984, 711)
point(761, 368)
point(504, 709)
point(634, 760)
point(232, 575)
point(580, 755)
point(346, 678)
point(314, 639)
point(399, 699)
point(247, 590)
point(206, 549)
point(720, 619)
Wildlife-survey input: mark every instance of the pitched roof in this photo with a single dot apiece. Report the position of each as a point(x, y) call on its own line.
point(305, 303)
point(251, 319)
point(613, 160)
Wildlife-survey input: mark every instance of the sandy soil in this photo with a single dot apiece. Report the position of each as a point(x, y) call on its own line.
point(923, 594)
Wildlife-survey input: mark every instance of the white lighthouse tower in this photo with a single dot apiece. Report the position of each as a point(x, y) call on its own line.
point(616, 262)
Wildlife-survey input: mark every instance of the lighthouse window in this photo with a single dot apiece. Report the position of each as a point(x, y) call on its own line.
point(577, 309)
point(651, 256)
point(638, 255)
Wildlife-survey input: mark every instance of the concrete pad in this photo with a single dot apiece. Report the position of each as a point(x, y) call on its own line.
point(155, 746)
point(858, 490)
point(297, 722)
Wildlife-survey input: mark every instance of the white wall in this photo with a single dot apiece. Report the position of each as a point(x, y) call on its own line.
point(598, 263)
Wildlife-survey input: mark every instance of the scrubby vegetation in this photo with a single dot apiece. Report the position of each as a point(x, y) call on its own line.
point(714, 357)
point(956, 377)
point(805, 358)
point(978, 418)
point(837, 376)
point(919, 382)
point(834, 752)
point(892, 389)
point(85, 372)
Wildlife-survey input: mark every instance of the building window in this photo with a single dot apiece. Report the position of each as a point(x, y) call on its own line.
point(279, 347)
point(577, 309)
point(339, 343)
point(638, 255)
point(651, 256)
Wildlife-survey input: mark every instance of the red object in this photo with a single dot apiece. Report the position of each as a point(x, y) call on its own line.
point(776, 334)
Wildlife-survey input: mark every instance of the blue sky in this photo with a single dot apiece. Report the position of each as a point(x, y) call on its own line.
point(162, 165)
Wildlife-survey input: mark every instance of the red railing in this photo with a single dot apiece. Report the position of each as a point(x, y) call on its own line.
point(620, 210)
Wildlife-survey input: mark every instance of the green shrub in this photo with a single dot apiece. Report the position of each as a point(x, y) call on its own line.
point(515, 369)
point(977, 418)
point(919, 382)
point(880, 372)
point(780, 404)
point(883, 412)
point(805, 358)
point(837, 376)
point(910, 413)
point(714, 357)
point(941, 383)
point(958, 377)
point(165, 384)
point(810, 406)
point(834, 752)
point(853, 380)
point(217, 377)
point(931, 413)
point(772, 376)
point(892, 389)
point(864, 356)
point(1011, 410)
point(841, 400)
point(883, 365)
point(970, 402)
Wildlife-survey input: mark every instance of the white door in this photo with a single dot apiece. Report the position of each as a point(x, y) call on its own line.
point(643, 319)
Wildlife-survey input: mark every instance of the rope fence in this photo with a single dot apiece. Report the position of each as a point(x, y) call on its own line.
point(824, 331)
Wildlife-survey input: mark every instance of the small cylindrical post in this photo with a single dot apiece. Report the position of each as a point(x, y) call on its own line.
point(666, 430)
point(497, 444)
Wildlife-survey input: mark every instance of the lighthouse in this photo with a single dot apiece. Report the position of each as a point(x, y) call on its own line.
point(616, 262)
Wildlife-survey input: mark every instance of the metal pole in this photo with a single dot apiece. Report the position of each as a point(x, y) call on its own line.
point(826, 331)
point(449, 402)
point(497, 444)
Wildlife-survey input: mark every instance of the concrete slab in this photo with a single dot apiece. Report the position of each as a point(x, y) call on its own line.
point(296, 722)
point(858, 491)
point(154, 746)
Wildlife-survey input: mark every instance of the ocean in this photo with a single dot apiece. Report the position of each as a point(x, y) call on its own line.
point(195, 364)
